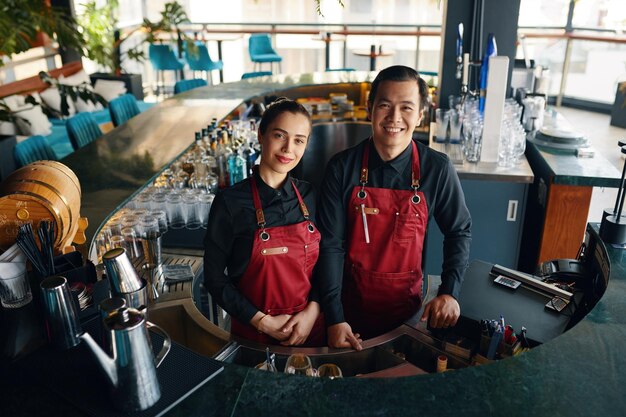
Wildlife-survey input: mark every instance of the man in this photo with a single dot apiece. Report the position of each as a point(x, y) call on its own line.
point(375, 202)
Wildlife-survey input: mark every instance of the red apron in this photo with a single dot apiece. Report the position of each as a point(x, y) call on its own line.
point(278, 277)
point(383, 278)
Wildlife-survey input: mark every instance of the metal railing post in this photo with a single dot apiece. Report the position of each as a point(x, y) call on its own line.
point(417, 49)
point(566, 63)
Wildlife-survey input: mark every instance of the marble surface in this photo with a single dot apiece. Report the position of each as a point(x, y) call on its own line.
point(579, 373)
point(567, 169)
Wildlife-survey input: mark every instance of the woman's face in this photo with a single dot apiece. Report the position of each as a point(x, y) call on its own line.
point(284, 142)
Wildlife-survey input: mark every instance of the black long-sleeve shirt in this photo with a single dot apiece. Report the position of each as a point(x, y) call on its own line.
point(230, 235)
point(444, 198)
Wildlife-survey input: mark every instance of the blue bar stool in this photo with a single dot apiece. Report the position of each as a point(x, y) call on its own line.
point(339, 69)
point(82, 130)
point(35, 148)
point(186, 85)
point(123, 108)
point(201, 61)
point(247, 75)
point(163, 58)
point(261, 51)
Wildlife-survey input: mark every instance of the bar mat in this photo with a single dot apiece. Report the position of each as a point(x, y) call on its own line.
point(74, 375)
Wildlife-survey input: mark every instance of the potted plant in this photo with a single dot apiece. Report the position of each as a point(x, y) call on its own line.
point(103, 40)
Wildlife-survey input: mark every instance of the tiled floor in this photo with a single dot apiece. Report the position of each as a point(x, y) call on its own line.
point(604, 139)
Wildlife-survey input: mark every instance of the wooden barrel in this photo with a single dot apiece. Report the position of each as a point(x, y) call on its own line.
point(41, 190)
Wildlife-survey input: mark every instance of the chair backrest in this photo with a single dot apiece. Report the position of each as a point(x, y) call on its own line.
point(35, 148)
point(186, 85)
point(123, 108)
point(162, 57)
point(260, 43)
point(199, 60)
point(82, 130)
point(247, 75)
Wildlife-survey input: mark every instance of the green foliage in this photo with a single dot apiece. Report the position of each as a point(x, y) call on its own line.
point(98, 26)
point(21, 20)
point(172, 16)
point(318, 6)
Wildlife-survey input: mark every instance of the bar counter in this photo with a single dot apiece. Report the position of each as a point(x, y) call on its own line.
point(579, 373)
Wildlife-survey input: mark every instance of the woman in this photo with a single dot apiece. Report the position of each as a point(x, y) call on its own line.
point(262, 244)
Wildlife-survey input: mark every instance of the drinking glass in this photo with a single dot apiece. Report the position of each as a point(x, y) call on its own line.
point(474, 142)
point(175, 211)
point(118, 241)
point(299, 364)
point(190, 212)
point(149, 224)
point(14, 287)
point(443, 119)
point(133, 243)
point(142, 201)
point(161, 217)
point(456, 121)
point(204, 208)
point(159, 201)
point(329, 370)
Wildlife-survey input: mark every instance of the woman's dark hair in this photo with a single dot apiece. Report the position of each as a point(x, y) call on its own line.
point(278, 107)
point(400, 73)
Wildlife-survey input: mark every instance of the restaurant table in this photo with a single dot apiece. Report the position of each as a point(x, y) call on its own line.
point(373, 53)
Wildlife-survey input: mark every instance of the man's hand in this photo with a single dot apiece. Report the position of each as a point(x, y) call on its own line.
point(443, 311)
point(340, 336)
point(300, 324)
point(273, 326)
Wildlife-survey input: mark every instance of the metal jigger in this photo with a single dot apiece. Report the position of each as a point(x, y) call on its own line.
point(613, 226)
point(154, 261)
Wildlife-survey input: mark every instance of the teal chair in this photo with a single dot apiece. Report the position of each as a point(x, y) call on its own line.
point(201, 61)
point(163, 58)
point(123, 108)
point(186, 85)
point(261, 51)
point(339, 69)
point(247, 75)
point(35, 148)
point(82, 130)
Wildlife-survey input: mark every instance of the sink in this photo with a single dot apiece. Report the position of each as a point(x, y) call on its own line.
point(402, 354)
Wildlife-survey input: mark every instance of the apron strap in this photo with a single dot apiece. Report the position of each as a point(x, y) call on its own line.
point(415, 166)
point(303, 209)
point(260, 217)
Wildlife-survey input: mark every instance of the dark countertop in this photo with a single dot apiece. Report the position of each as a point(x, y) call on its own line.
point(567, 169)
point(579, 373)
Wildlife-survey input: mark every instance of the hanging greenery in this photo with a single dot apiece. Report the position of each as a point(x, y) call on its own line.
point(22, 20)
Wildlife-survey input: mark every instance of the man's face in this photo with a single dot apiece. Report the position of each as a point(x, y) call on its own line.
point(395, 112)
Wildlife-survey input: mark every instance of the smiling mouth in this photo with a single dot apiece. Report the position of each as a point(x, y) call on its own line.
point(284, 160)
point(392, 129)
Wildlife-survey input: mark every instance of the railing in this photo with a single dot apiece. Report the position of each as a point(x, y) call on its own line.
point(369, 29)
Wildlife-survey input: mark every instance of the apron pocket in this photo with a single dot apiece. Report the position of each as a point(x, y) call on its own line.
point(384, 293)
point(406, 227)
point(288, 310)
point(311, 253)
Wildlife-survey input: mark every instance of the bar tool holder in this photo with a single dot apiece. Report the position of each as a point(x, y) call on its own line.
point(613, 226)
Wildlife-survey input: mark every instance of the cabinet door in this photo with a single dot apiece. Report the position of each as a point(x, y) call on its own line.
point(497, 210)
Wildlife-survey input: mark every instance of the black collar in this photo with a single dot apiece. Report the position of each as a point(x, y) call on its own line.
point(399, 163)
point(268, 193)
